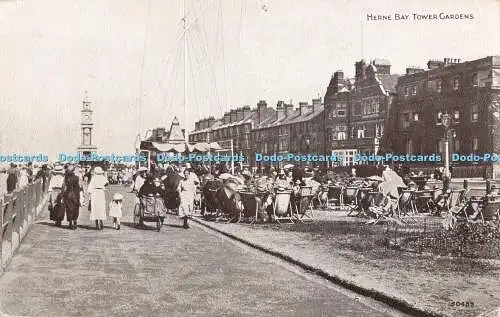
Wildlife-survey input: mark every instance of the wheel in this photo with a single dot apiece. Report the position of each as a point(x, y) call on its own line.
point(137, 215)
point(158, 224)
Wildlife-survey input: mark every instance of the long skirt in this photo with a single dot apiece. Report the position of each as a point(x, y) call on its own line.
point(97, 205)
point(56, 206)
point(186, 206)
point(72, 203)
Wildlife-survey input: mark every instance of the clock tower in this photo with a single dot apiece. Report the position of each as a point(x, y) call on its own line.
point(87, 129)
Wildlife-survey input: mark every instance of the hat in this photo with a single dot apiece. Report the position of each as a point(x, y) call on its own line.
point(98, 170)
point(117, 196)
point(58, 169)
point(282, 172)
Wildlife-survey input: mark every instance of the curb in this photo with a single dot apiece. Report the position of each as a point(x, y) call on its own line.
point(396, 303)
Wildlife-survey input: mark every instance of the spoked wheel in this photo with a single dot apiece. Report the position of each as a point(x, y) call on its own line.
point(137, 215)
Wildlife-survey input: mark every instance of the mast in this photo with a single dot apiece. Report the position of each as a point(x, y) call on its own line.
point(185, 57)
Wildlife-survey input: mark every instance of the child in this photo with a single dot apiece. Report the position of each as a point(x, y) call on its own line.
point(115, 210)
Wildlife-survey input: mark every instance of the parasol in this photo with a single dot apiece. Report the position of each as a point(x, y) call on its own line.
point(287, 166)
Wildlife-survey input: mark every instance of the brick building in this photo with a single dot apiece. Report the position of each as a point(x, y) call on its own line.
point(297, 131)
point(235, 125)
point(469, 92)
point(357, 111)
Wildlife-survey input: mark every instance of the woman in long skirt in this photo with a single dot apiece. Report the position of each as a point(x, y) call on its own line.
point(56, 203)
point(72, 189)
point(97, 198)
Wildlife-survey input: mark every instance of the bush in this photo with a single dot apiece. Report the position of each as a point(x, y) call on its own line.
point(473, 240)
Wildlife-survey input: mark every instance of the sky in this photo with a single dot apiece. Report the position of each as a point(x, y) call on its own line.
point(129, 56)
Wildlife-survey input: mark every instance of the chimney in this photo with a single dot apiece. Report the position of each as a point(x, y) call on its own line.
point(227, 118)
point(413, 70)
point(433, 64)
point(197, 125)
point(233, 116)
point(280, 110)
point(303, 108)
point(210, 121)
point(261, 111)
point(360, 70)
point(246, 111)
point(288, 110)
point(383, 66)
point(239, 114)
point(316, 103)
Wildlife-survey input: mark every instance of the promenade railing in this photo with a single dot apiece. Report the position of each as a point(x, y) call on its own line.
point(19, 210)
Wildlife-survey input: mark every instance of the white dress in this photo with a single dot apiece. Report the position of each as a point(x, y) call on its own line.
point(187, 192)
point(115, 209)
point(97, 197)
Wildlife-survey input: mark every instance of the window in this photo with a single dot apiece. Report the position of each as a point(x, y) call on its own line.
point(439, 85)
point(406, 91)
point(439, 118)
point(353, 132)
point(409, 146)
point(456, 115)
point(379, 130)
point(414, 90)
point(416, 116)
point(361, 132)
point(475, 144)
point(474, 113)
point(456, 83)
point(341, 109)
point(457, 145)
point(406, 120)
point(474, 80)
point(341, 136)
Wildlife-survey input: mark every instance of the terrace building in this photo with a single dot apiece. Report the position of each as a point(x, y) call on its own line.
point(468, 92)
point(356, 113)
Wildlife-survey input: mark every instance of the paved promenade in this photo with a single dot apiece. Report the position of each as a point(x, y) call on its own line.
point(176, 272)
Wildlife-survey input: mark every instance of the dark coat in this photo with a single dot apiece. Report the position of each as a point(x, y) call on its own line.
point(71, 196)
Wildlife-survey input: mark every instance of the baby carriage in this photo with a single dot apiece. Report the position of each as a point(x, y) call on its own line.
point(149, 208)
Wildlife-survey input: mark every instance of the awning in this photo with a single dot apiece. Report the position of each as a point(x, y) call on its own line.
point(179, 147)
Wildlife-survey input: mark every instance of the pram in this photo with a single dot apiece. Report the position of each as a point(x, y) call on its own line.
point(149, 208)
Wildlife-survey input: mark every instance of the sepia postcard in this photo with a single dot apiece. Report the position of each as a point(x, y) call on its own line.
point(249, 158)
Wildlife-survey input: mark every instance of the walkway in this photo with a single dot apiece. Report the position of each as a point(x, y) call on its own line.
point(176, 272)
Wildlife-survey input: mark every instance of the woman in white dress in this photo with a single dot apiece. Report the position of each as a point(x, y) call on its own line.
point(97, 198)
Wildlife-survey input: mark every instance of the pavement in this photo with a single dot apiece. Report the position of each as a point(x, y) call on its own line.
point(174, 272)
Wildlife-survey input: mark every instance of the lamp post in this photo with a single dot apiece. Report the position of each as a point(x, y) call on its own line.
point(446, 120)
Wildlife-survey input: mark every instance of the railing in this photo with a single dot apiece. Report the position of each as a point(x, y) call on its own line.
point(18, 212)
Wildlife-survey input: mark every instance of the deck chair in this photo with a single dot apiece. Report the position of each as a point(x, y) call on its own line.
point(281, 206)
point(351, 194)
point(335, 196)
point(406, 206)
point(383, 209)
point(250, 206)
point(490, 211)
point(303, 204)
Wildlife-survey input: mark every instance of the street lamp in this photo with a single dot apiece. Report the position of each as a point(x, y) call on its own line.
point(446, 120)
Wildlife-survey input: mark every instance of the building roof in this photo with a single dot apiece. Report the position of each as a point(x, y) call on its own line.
point(381, 61)
point(388, 81)
point(294, 117)
point(175, 133)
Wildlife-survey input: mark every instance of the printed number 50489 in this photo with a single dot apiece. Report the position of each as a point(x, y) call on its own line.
point(461, 304)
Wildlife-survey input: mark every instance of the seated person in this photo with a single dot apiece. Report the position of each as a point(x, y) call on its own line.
point(149, 188)
point(228, 199)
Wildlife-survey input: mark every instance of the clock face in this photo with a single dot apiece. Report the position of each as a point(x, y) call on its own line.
point(86, 117)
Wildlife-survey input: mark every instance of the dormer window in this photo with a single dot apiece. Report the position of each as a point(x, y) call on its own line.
point(414, 90)
point(406, 91)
